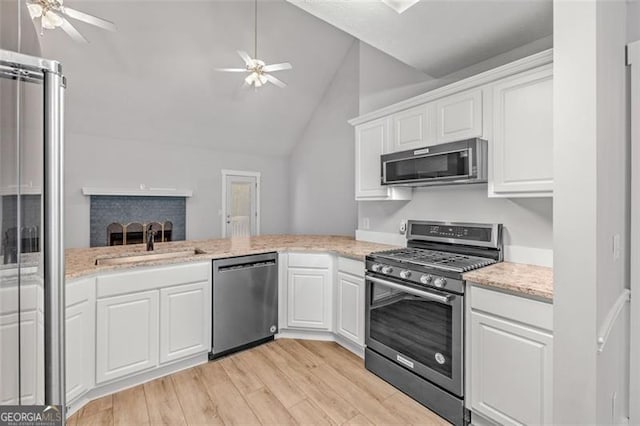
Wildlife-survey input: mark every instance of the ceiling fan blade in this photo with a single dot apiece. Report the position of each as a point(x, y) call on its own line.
point(232, 69)
point(72, 32)
point(246, 58)
point(277, 67)
point(89, 19)
point(275, 81)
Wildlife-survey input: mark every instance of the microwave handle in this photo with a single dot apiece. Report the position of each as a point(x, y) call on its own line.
point(420, 293)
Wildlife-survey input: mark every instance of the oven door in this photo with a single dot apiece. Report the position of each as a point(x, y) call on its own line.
point(420, 329)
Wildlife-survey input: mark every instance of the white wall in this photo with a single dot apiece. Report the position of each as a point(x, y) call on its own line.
point(590, 207)
point(321, 164)
point(527, 221)
point(95, 161)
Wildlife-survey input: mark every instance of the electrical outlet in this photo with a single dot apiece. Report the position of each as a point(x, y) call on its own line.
point(616, 247)
point(403, 227)
point(365, 223)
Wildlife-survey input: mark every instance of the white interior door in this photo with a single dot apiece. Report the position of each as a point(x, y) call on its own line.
point(240, 212)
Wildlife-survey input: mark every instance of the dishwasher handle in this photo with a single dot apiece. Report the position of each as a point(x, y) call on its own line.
point(247, 265)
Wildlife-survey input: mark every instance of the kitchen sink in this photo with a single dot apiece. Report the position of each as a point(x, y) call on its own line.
point(147, 257)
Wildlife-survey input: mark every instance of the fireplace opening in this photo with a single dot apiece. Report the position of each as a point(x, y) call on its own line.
point(136, 232)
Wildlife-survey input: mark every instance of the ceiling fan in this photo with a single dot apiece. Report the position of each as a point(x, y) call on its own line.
point(259, 72)
point(53, 14)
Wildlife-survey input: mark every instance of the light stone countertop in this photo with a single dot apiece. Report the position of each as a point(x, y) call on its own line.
point(527, 280)
point(81, 262)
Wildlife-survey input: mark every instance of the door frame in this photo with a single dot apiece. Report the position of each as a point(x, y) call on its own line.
point(633, 61)
point(225, 174)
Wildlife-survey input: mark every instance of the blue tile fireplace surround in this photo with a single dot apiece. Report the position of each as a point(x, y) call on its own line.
point(108, 209)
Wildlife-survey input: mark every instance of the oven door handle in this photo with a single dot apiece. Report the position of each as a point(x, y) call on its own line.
point(420, 293)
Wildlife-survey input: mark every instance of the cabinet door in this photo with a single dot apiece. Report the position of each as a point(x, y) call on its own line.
point(79, 353)
point(371, 143)
point(185, 318)
point(414, 128)
point(127, 335)
point(523, 134)
point(350, 307)
point(459, 116)
point(14, 359)
point(309, 298)
point(511, 371)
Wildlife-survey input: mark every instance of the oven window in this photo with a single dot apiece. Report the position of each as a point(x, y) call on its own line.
point(417, 328)
point(453, 164)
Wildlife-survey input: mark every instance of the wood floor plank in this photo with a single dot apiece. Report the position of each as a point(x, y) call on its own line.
point(100, 418)
point(279, 384)
point(162, 403)
point(324, 396)
point(245, 380)
point(268, 408)
point(359, 420)
point(130, 407)
point(95, 406)
point(352, 367)
point(196, 405)
point(282, 382)
point(412, 412)
point(308, 413)
point(358, 397)
point(232, 407)
point(301, 353)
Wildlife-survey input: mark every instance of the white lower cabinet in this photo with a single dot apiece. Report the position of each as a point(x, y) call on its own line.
point(80, 337)
point(13, 327)
point(511, 358)
point(350, 307)
point(309, 298)
point(127, 335)
point(185, 316)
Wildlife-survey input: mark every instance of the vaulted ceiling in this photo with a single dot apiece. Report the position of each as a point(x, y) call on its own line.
point(439, 37)
point(155, 80)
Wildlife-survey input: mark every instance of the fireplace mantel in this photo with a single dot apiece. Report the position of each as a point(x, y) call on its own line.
point(137, 192)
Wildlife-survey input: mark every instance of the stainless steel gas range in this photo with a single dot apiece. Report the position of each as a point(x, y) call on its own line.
point(415, 310)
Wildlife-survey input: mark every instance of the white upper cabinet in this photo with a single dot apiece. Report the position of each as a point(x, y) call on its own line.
point(372, 140)
point(522, 143)
point(459, 116)
point(414, 128)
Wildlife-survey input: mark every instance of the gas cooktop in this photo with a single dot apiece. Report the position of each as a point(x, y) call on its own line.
point(435, 259)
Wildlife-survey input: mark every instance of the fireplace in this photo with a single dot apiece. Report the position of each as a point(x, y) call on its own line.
point(136, 232)
point(124, 220)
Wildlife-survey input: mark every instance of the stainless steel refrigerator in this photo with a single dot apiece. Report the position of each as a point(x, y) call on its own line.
point(31, 220)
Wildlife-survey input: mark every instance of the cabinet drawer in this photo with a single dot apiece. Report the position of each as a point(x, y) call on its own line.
point(152, 278)
point(518, 308)
point(351, 266)
point(309, 260)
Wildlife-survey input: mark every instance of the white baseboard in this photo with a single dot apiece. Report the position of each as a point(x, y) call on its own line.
point(324, 336)
point(129, 382)
point(391, 238)
point(529, 255)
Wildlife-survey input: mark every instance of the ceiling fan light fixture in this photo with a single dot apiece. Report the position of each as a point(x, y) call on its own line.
point(400, 5)
point(51, 20)
point(35, 10)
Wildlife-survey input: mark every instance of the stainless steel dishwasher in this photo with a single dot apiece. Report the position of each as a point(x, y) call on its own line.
point(245, 302)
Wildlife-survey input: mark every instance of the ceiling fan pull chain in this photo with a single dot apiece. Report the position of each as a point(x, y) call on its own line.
point(255, 32)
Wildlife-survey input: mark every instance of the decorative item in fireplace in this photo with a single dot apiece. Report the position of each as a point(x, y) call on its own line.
point(119, 234)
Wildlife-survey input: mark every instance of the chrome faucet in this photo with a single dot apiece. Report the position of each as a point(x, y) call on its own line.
point(151, 237)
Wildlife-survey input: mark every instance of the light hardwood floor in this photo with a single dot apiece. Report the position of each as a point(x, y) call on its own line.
point(279, 383)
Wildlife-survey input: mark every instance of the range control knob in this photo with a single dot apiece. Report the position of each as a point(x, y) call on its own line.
point(426, 279)
point(440, 282)
point(405, 274)
point(376, 267)
point(387, 270)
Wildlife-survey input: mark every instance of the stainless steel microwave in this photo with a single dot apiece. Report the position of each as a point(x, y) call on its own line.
point(444, 164)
